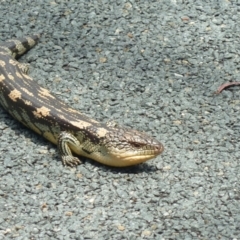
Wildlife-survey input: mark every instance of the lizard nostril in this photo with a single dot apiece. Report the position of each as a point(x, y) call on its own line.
point(159, 148)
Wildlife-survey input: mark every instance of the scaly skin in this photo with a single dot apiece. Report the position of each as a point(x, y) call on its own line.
point(73, 132)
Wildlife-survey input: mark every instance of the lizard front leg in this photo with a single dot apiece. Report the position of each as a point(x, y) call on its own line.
point(65, 140)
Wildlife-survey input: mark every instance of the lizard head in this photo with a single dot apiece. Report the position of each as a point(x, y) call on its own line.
point(125, 147)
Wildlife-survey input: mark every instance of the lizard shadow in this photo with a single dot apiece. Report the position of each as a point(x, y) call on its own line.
point(135, 169)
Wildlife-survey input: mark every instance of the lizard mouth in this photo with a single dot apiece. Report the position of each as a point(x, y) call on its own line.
point(129, 158)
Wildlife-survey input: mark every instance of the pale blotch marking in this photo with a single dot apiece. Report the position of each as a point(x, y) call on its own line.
point(80, 124)
point(101, 132)
point(10, 76)
point(27, 102)
point(8, 51)
point(2, 63)
point(18, 75)
point(72, 110)
point(62, 117)
point(93, 121)
point(14, 95)
point(27, 91)
point(13, 62)
point(27, 77)
point(45, 93)
point(41, 112)
point(2, 78)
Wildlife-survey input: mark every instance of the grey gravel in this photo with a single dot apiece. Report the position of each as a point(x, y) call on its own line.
point(151, 65)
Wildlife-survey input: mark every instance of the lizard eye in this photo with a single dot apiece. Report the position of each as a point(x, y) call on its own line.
point(136, 145)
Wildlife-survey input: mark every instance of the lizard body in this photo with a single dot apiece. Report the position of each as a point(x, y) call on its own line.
point(72, 131)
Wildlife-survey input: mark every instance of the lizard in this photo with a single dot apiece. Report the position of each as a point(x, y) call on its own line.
point(74, 133)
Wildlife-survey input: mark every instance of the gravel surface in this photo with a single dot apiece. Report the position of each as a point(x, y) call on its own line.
point(151, 65)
